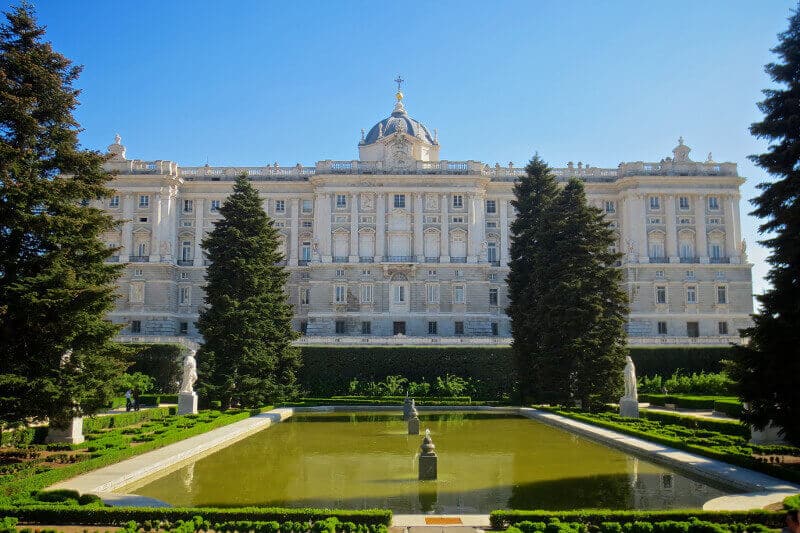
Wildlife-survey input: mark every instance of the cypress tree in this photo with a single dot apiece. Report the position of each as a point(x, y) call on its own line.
point(247, 356)
point(57, 359)
point(766, 370)
point(527, 280)
point(584, 307)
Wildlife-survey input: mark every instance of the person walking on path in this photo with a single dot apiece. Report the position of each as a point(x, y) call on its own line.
point(135, 399)
point(128, 399)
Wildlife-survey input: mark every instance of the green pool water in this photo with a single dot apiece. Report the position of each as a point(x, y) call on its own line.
point(486, 462)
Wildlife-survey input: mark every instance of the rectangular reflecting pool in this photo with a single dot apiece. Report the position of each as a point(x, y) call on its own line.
point(366, 460)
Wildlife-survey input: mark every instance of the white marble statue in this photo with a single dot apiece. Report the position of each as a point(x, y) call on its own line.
point(630, 379)
point(189, 373)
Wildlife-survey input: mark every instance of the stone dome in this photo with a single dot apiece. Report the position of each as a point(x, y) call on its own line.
point(399, 121)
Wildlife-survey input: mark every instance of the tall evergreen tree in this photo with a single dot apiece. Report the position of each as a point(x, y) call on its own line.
point(584, 309)
point(535, 193)
point(247, 356)
point(57, 359)
point(767, 369)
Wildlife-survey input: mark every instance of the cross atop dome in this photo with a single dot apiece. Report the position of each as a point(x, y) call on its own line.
point(399, 81)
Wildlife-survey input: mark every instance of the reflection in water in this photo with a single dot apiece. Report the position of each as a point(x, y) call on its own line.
point(486, 462)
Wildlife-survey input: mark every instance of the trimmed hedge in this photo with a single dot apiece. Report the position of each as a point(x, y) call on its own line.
point(23, 436)
point(125, 419)
point(684, 401)
point(157, 399)
point(732, 408)
point(117, 516)
point(503, 519)
point(792, 502)
point(328, 370)
point(729, 427)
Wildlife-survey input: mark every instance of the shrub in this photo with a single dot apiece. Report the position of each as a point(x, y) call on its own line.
point(664, 361)
point(792, 502)
point(663, 520)
point(732, 407)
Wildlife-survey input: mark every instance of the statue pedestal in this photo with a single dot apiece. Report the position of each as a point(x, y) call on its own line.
point(187, 403)
point(768, 435)
point(628, 407)
point(427, 467)
point(413, 426)
point(72, 434)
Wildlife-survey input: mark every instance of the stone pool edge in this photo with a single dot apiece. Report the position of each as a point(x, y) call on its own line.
point(104, 481)
point(758, 487)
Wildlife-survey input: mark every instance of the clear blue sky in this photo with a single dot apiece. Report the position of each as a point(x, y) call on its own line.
point(253, 82)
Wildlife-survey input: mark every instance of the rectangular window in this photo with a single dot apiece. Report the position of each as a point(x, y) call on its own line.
point(307, 206)
point(366, 328)
point(339, 272)
point(660, 274)
point(491, 224)
point(431, 273)
point(185, 295)
point(491, 252)
point(114, 201)
point(184, 275)
point(685, 220)
point(495, 329)
point(713, 203)
point(136, 326)
point(214, 206)
point(307, 224)
point(433, 328)
point(662, 328)
point(341, 201)
point(493, 296)
point(366, 294)
point(715, 221)
point(458, 200)
point(305, 296)
point(491, 206)
point(183, 328)
point(303, 327)
point(683, 202)
point(458, 220)
point(692, 329)
point(458, 294)
point(188, 205)
point(339, 294)
point(138, 272)
point(690, 274)
point(458, 328)
point(716, 251)
point(432, 293)
point(365, 272)
point(610, 207)
point(340, 327)
point(280, 206)
point(144, 200)
point(661, 294)
point(142, 219)
point(722, 294)
point(723, 328)
point(400, 201)
point(691, 294)
point(399, 294)
point(655, 203)
point(305, 252)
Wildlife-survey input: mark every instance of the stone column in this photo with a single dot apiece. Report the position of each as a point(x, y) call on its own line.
point(293, 230)
point(504, 227)
point(700, 225)
point(672, 230)
point(732, 228)
point(353, 228)
point(419, 249)
point(380, 227)
point(155, 224)
point(640, 228)
point(127, 227)
point(444, 236)
point(324, 235)
point(198, 231)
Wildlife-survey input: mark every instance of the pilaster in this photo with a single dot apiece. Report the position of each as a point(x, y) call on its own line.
point(127, 226)
point(419, 250)
point(672, 231)
point(293, 231)
point(503, 232)
point(353, 228)
point(380, 227)
point(155, 225)
point(444, 232)
point(700, 224)
point(198, 231)
point(732, 230)
point(640, 227)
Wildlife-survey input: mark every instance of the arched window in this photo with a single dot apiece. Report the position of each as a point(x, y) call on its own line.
point(186, 251)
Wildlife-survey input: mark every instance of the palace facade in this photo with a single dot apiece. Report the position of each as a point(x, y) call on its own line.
point(400, 246)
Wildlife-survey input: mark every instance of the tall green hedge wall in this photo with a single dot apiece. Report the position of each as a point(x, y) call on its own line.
point(328, 370)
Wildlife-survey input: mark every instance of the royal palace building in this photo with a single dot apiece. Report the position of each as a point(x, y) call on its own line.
point(400, 246)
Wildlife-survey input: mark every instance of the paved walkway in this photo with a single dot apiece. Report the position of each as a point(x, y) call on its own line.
point(726, 474)
point(110, 478)
point(697, 413)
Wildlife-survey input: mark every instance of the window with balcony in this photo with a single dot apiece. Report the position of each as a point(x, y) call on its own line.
point(144, 201)
point(399, 294)
point(366, 294)
point(185, 295)
point(141, 249)
point(399, 201)
point(491, 206)
point(186, 251)
point(341, 201)
point(491, 253)
point(305, 252)
point(305, 295)
point(458, 201)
